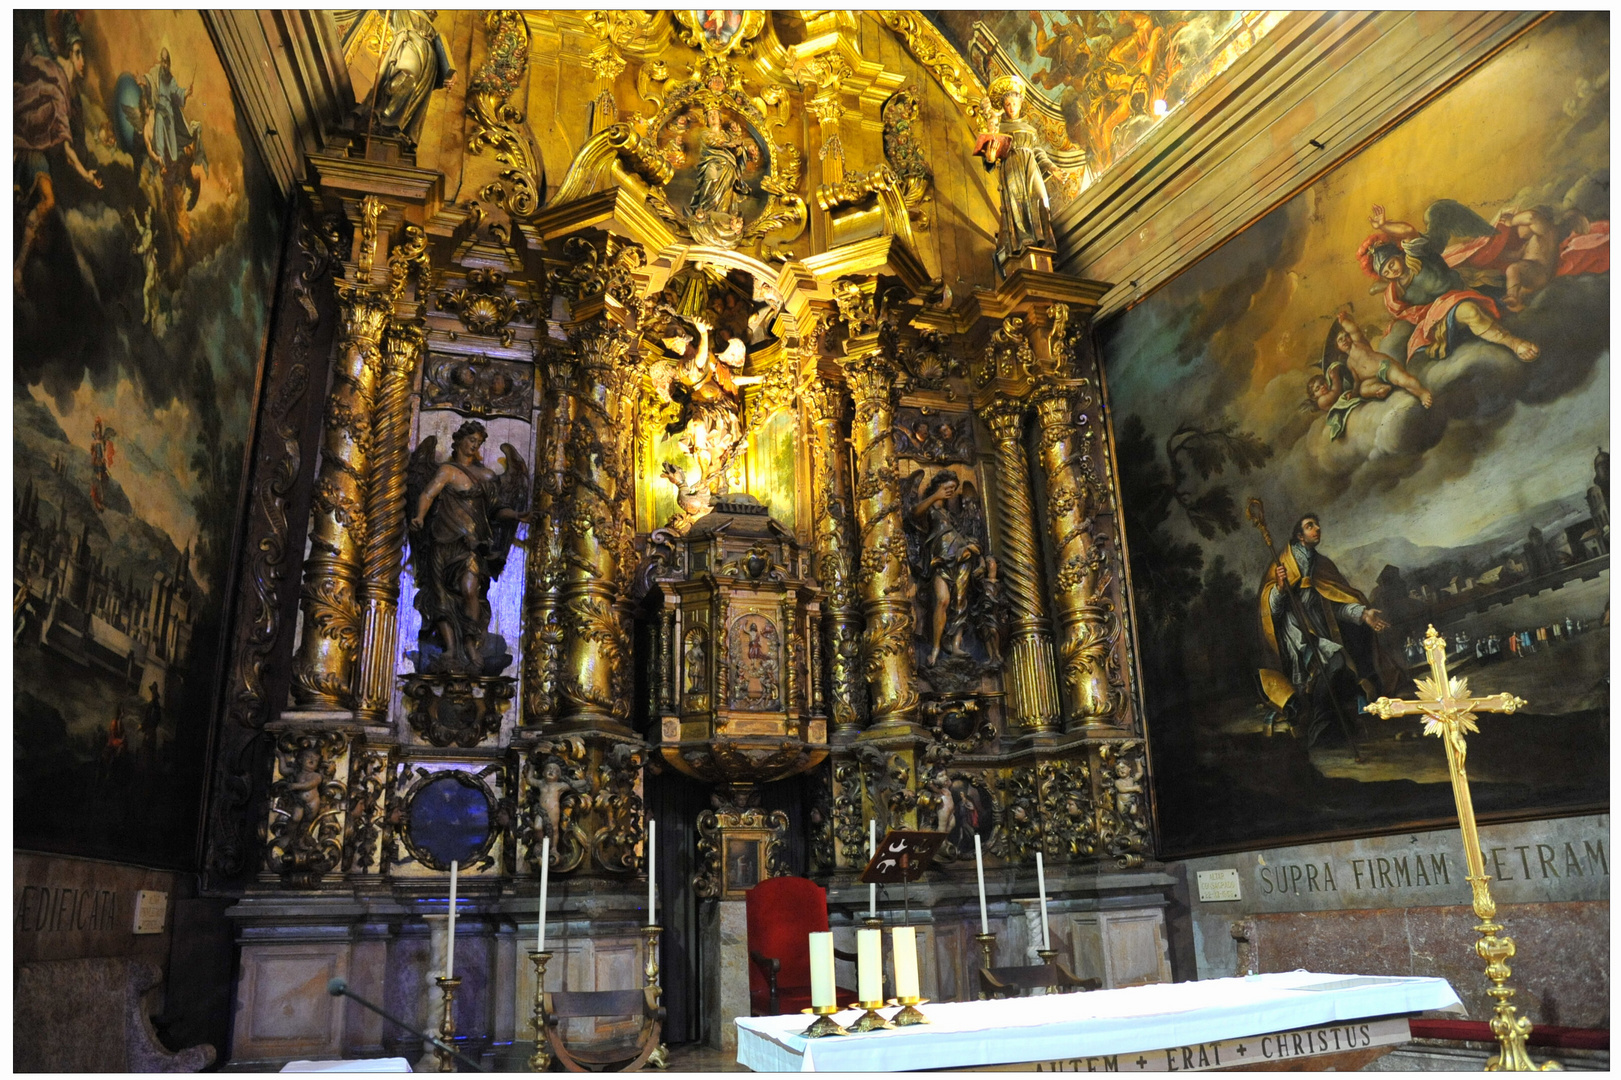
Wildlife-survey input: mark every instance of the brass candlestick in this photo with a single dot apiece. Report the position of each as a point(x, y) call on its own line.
point(1048, 957)
point(443, 1062)
point(909, 1014)
point(660, 1058)
point(541, 1059)
point(986, 943)
point(824, 1024)
point(1448, 712)
point(869, 1020)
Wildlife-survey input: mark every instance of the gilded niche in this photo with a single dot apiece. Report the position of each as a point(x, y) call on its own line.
point(730, 182)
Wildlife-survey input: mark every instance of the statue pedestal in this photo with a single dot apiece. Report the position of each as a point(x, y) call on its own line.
point(724, 946)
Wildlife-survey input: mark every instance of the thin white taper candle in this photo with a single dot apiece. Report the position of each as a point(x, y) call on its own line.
point(1041, 884)
point(450, 927)
point(652, 840)
point(872, 849)
point(545, 869)
point(979, 867)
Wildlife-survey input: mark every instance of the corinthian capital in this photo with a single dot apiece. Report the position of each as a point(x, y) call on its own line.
point(858, 305)
point(365, 314)
point(1055, 407)
point(402, 350)
point(1005, 417)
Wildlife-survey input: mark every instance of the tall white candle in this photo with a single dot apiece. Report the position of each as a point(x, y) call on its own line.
point(652, 839)
point(545, 869)
point(821, 968)
point(1041, 884)
point(872, 890)
point(904, 944)
point(869, 965)
point(450, 928)
point(979, 867)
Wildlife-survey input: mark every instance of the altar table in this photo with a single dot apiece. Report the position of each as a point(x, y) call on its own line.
point(1129, 1026)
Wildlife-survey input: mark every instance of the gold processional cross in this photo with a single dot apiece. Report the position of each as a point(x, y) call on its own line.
point(1449, 711)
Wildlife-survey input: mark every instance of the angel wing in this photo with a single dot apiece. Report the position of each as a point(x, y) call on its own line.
point(971, 514)
point(916, 531)
point(1447, 220)
point(512, 493)
point(418, 475)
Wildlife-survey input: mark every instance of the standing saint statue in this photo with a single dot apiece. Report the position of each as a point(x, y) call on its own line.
point(463, 521)
point(1015, 149)
point(416, 65)
point(725, 152)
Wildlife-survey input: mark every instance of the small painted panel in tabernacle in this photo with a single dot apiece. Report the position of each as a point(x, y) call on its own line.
point(755, 650)
point(449, 821)
point(474, 386)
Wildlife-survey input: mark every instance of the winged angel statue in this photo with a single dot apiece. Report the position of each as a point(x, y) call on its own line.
point(463, 520)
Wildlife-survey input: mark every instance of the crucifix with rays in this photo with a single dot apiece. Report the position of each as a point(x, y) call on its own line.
point(1449, 712)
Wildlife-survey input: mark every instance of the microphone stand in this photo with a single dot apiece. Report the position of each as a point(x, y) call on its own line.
point(339, 988)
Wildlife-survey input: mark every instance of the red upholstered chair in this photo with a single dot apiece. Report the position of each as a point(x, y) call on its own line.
point(781, 912)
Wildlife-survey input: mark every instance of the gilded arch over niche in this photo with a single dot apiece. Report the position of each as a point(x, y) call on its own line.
point(729, 181)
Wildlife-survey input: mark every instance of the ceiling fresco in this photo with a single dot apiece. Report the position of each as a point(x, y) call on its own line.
point(1113, 75)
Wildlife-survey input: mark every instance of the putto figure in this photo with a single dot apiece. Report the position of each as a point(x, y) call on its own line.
point(464, 518)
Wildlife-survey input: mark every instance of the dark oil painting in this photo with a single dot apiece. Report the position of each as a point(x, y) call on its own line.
point(144, 240)
point(1403, 372)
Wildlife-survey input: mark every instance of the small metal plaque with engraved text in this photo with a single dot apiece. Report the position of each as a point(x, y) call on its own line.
point(151, 911)
point(1218, 885)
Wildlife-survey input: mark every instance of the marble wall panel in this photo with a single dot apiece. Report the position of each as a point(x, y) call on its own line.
point(282, 1008)
point(1560, 971)
point(1558, 860)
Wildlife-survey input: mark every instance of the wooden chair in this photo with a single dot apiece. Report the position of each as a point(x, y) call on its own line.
point(572, 1004)
point(1019, 981)
point(781, 912)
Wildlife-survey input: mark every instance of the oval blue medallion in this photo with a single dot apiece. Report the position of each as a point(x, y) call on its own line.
point(450, 820)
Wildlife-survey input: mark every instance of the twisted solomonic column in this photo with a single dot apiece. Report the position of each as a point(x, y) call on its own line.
point(1086, 617)
point(385, 517)
point(595, 682)
point(323, 669)
point(1029, 678)
point(835, 549)
point(883, 580)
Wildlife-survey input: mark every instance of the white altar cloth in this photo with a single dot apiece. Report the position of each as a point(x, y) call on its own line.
point(978, 1033)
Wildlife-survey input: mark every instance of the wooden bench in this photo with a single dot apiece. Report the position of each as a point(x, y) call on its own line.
point(89, 1016)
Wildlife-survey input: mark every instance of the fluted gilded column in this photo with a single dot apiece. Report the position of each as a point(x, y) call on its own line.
point(385, 518)
point(595, 684)
point(543, 634)
point(323, 670)
point(835, 549)
point(1029, 675)
point(1086, 617)
point(884, 577)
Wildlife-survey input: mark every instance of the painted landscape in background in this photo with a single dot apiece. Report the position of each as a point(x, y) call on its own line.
point(1415, 351)
point(1115, 74)
point(144, 242)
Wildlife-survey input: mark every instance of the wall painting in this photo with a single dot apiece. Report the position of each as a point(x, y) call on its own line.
point(145, 234)
point(1407, 366)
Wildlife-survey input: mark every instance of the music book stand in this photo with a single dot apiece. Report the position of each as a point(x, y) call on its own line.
point(902, 855)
